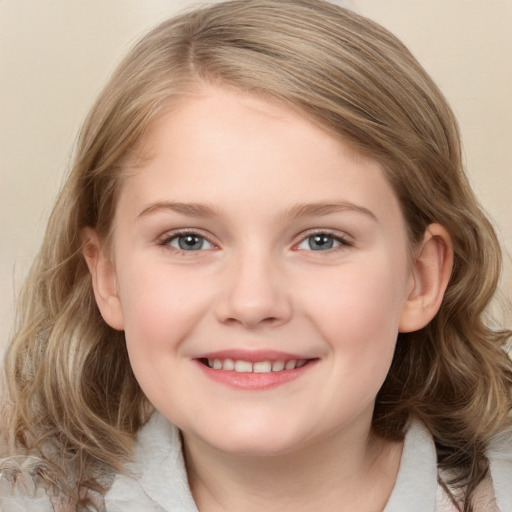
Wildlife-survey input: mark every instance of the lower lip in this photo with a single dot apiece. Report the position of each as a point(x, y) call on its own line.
point(255, 381)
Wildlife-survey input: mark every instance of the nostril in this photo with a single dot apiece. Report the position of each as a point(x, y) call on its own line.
point(252, 323)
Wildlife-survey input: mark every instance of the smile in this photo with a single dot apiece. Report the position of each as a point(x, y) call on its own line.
point(242, 366)
point(260, 370)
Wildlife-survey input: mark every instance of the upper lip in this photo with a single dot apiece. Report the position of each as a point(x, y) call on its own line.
point(253, 356)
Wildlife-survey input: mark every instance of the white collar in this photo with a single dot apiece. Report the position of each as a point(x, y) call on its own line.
point(158, 479)
point(416, 483)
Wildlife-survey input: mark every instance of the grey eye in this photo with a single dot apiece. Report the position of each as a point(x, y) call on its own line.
point(190, 242)
point(319, 242)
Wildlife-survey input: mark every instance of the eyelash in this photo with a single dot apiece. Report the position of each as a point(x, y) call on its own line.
point(168, 238)
point(343, 240)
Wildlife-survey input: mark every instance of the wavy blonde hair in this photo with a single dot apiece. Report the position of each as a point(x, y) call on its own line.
point(72, 397)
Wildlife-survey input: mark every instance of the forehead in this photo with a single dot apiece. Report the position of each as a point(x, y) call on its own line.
point(224, 146)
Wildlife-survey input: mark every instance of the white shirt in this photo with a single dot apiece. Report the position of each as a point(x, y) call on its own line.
point(159, 482)
point(157, 479)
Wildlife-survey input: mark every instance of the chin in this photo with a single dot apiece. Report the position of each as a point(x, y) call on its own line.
point(259, 443)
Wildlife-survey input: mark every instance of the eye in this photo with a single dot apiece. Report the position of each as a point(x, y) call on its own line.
point(321, 242)
point(188, 242)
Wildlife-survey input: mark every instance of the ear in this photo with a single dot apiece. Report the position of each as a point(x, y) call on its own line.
point(103, 277)
point(430, 273)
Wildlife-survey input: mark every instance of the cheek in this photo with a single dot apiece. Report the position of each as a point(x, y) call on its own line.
point(161, 309)
point(360, 325)
point(360, 313)
point(160, 305)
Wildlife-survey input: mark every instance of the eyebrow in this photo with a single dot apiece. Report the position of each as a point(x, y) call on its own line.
point(300, 210)
point(190, 209)
point(320, 209)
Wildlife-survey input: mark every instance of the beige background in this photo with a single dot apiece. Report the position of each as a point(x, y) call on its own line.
point(56, 54)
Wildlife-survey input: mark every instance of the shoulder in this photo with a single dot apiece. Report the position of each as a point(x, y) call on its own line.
point(21, 487)
point(500, 462)
point(156, 479)
point(494, 493)
point(27, 485)
point(418, 469)
point(484, 499)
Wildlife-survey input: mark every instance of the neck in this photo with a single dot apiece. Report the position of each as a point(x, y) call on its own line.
point(343, 472)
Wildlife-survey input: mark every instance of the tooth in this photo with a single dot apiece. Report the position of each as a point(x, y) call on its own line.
point(217, 364)
point(263, 367)
point(277, 366)
point(243, 366)
point(301, 363)
point(210, 363)
point(229, 364)
point(290, 365)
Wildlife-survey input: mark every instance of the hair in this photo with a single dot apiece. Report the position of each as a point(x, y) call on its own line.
point(72, 397)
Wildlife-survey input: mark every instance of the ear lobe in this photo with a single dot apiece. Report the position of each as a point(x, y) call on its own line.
point(103, 278)
point(431, 270)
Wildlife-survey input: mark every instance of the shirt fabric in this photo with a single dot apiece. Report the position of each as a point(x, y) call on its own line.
point(156, 481)
point(159, 461)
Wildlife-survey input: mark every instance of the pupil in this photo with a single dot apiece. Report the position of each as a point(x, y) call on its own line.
point(190, 242)
point(322, 242)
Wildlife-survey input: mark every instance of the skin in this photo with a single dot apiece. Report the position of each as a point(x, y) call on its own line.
point(258, 282)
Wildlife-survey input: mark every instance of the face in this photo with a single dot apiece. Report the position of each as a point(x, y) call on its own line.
point(261, 272)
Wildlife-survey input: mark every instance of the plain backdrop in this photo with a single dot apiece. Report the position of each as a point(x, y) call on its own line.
point(55, 55)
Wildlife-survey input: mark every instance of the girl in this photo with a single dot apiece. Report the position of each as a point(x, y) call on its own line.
point(262, 286)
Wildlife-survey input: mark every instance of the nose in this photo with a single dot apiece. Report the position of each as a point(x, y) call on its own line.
point(254, 294)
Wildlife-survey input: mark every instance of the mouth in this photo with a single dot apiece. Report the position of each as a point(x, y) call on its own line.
point(254, 371)
point(241, 366)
